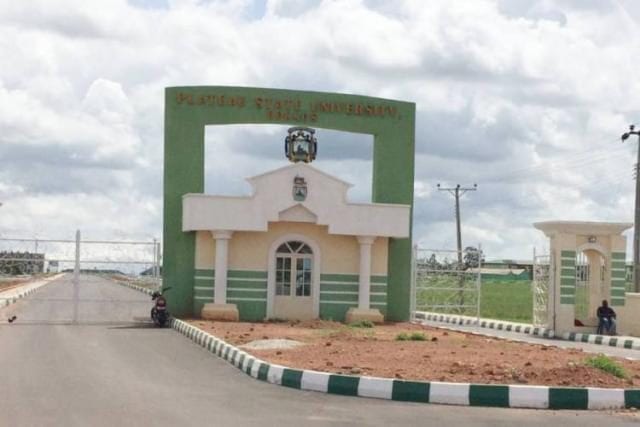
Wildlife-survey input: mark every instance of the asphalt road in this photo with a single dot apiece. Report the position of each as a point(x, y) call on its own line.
point(127, 373)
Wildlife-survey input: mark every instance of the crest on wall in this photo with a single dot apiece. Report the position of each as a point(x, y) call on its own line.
point(299, 189)
point(301, 145)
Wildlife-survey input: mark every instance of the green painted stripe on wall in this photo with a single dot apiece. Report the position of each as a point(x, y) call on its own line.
point(328, 287)
point(618, 264)
point(247, 274)
point(334, 312)
point(378, 298)
point(619, 255)
point(338, 297)
point(618, 292)
point(379, 279)
point(565, 281)
point(378, 288)
point(567, 300)
point(489, 395)
point(235, 293)
point(410, 391)
point(618, 274)
point(565, 271)
point(207, 273)
point(568, 254)
point(251, 311)
point(617, 301)
point(568, 263)
point(568, 398)
point(339, 278)
point(246, 284)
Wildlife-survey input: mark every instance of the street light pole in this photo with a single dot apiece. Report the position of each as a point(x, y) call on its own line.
point(636, 218)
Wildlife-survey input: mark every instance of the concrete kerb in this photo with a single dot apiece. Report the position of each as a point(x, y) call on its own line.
point(611, 341)
point(491, 395)
point(33, 289)
point(522, 328)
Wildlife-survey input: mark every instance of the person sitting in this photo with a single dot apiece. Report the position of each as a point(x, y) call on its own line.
point(606, 319)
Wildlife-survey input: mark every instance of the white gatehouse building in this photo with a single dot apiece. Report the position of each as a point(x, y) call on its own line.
point(295, 248)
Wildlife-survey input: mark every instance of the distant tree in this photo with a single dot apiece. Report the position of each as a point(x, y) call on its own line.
point(471, 257)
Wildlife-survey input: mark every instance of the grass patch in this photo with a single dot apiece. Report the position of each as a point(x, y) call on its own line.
point(414, 336)
point(510, 300)
point(606, 364)
point(361, 324)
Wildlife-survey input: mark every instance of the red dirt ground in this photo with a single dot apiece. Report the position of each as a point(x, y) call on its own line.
point(444, 356)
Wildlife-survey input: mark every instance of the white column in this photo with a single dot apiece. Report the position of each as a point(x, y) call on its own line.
point(222, 261)
point(364, 284)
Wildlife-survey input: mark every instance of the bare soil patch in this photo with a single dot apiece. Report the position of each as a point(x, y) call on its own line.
point(443, 356)
point(11, 282)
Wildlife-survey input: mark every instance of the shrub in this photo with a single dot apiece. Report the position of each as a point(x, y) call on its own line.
point(362, 324)
point(414, 336)
point(606, 364)
point(402, 336)
point(418, 336)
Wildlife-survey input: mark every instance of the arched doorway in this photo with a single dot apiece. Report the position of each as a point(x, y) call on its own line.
point(590, 284)
point(293, 279)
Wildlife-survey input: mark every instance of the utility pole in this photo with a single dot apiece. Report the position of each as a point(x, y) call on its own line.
point(636, 218)
point(457, 192)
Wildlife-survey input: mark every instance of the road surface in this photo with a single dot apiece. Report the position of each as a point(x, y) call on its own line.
point(124, 372)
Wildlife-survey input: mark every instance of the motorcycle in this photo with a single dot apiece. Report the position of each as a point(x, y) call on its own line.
point(159, 312)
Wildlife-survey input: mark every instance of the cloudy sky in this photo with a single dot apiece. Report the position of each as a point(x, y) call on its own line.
point(526, 98)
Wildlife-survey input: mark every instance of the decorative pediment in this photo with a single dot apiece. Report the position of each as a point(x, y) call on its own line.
point(297, 213)
point(296, 193)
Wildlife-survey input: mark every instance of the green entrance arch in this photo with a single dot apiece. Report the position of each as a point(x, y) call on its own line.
point(189, 109)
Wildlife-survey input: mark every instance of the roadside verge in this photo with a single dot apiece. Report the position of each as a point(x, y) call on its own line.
point(14, 295)
point(491, 395)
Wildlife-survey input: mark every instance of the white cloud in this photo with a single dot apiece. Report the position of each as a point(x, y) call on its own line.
point(526, 98)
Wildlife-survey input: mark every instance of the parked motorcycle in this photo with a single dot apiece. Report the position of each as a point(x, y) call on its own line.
point(159, 312)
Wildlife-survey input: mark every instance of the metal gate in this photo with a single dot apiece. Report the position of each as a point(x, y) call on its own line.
point(446, 281)
point(76, 281)
point(542, 276)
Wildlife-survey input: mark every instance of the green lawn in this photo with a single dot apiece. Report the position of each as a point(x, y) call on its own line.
point(500, 299)
point(507, 300)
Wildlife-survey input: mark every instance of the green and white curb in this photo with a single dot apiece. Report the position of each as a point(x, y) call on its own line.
point(508, 396)
point(630, 343)
point(33, 288)
point(501, 325)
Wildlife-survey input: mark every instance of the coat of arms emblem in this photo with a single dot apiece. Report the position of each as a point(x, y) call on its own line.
point(299, 189)
point(300, 145)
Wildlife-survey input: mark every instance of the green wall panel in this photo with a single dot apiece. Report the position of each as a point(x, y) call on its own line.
point(335, 312)
point(250, 311)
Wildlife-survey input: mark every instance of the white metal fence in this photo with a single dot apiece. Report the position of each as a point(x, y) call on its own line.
point(447, 281)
